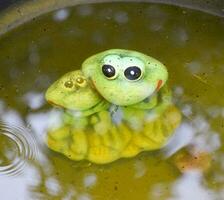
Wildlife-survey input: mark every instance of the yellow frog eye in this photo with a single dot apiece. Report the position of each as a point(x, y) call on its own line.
point(69, 84)
point(81, 82)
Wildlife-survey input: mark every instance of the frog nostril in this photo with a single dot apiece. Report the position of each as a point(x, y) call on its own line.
point(68, 84)
point(80, 80)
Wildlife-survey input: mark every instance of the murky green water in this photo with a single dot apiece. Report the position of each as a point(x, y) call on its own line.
point(191, 45)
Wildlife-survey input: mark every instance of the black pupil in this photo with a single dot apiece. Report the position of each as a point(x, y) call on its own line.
point(108, 71)
point(132, 73)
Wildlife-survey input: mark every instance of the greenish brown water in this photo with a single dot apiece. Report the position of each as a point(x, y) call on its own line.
point(191, 45)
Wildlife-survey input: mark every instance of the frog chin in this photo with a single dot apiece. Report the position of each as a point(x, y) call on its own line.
point(128, 98)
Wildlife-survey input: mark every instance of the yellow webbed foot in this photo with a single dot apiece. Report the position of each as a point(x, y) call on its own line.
point(79, 145)
point(98, 152)
point(57, 140)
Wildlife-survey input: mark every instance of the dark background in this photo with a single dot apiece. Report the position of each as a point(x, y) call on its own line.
point(215, 6)
point(7, 3)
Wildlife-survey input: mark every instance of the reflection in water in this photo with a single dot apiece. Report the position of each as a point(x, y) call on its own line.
point(121, 17)
point(41, 178)
point(140, 169)
point(17, 147)
point(197, 133)
point(61, 15)
point(35, 55)
point(90, 180)
point(19, 187)
point(196, 129)
point(34, 100)
point(190, 186)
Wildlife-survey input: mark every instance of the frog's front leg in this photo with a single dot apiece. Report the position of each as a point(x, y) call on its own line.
point(101, 122)
point(59, 139)
point(165, 100)
point(133, 118)
point(75, 120)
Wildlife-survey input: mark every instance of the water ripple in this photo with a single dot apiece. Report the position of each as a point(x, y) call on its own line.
point(17, 148)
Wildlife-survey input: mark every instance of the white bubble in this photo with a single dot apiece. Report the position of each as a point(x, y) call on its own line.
point(71, 193)
point(121, 17)
point(189, 186)
point(140, 169)
point(34, 99)
point(179, 36)
point(55, 119)
point(187, 110)
point(200, 124)
point(116, 114)
point(90, 180)
point(33, 176)
point(207, 141)
point(182, 137)
point(38, 123)
point(84, 197)
point(12, 117)
point(61, 15)
point(179, 91)
point(193, 66)
point(52, 186)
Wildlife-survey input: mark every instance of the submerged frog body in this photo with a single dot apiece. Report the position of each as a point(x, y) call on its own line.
point(121, 108)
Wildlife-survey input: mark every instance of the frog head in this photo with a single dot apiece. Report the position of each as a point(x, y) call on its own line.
point(72, 91)
point(125, 77)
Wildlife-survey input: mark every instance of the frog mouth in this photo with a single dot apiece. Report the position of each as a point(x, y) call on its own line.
point(53, 103)
point(92, 84)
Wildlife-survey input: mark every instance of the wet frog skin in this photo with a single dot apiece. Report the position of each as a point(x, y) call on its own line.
point(116, 106)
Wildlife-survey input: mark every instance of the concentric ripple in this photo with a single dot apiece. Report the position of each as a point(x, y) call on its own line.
point(17, 147)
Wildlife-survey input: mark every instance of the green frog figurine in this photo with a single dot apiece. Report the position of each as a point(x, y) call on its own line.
point(116, 106)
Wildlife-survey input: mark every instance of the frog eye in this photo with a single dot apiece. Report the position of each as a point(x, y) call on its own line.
point(109, 71)
point(133, 73)
point(81, 82)
point(69, 84)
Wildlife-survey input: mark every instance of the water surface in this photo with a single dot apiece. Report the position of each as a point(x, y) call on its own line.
point(191, 45)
